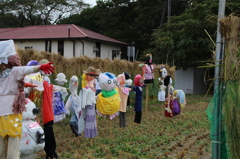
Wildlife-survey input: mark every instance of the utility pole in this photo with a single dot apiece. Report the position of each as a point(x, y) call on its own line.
point(169, 14)
point(216, 136)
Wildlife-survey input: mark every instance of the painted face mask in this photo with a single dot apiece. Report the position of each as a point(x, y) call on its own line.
point(150, 59)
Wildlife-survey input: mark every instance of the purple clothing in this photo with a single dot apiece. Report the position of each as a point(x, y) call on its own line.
point(90, 122)
point(138, 98)
point(58, 104)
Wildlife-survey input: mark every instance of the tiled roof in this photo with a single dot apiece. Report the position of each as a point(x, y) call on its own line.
point(53, 32)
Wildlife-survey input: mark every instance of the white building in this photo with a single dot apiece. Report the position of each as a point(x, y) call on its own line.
point(68, 40)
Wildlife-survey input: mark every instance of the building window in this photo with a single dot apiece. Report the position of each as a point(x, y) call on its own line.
point(61, 47)
point(48, 46)
point(28, 47)
point(114, 54)
point(98, 49)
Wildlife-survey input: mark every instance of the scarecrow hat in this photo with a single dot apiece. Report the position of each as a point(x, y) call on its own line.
point(7, 49)
point(43, 61)
point(32, 63)
point(61, 78)
point(91, 71)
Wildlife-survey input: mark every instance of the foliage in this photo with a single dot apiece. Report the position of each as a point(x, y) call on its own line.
point(183, 37)
point(28, 12)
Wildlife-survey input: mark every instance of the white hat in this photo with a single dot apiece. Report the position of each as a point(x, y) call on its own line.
point(7, 49)
point(61, 78)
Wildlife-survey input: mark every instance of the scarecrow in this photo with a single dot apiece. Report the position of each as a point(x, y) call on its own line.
point(147, 74)
point(163, 74)
point(12, 97)
point(138, 86)
point(33, 139)
point(59, 95)
point(123, 92)
point(74, 105)
point(108, 101)
point(179, 97)
point(87, 94)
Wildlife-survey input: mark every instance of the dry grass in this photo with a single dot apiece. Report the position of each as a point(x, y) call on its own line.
point(76, 65)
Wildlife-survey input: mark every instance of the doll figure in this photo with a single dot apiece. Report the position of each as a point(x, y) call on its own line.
point(33, 139)
point(162, 87)
point(179, 96)
point(12, 97)
point(87, 94)
point(138, 86)
point(123, 92)
point(73, 104)
point(169, 112)
point(48, 114)
point(147, 70)
point(59, 95)
point(108, 101)
point(129, 85)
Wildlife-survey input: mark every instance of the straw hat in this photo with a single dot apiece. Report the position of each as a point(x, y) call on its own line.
point(91, 71)
point(7, 49)
point(43, 61)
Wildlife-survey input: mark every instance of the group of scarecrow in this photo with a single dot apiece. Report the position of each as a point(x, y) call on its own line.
point(101, 93)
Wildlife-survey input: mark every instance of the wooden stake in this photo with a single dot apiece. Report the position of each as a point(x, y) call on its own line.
point(91, 141)
point(110, 125)
point(146, 97)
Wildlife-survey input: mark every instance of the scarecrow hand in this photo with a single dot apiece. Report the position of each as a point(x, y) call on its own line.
point(47, 68)
point(29, 85)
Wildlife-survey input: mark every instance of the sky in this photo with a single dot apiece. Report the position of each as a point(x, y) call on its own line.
point(91, 2)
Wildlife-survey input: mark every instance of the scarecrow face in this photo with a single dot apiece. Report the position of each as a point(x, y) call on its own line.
point(107, 81)
point(163, 73)
point(90, 77)
point(73, 84)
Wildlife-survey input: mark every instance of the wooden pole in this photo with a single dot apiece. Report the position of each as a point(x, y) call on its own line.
point(91, 141)
point(110, 125)
point(146, 97)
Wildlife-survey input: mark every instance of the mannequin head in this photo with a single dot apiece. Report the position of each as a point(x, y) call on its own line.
point(73, 84)
point(163, 72)
point(148, 58)
point(137, 80)
point(107, 81)
point(61, 79)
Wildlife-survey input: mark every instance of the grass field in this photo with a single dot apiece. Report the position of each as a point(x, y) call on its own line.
point(183, 136)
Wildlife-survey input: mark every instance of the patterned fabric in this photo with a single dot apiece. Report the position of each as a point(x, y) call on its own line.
point(5, 73)
point(148, 72)
point(11, 125)
point(90, 122)
point(73, 108)
point(58, 104)
point(169, 107)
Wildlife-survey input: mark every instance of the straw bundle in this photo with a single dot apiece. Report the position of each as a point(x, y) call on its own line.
point(230, 28)
point(76, 65)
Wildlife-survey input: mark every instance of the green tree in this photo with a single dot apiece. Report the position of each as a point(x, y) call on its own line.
point(184, 38)
point(28, 12)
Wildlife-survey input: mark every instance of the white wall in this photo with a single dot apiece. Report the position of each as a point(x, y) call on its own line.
point(184, 80)
point(36, 45)
point(82, 47)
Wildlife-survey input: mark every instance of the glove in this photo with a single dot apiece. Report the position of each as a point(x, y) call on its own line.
point(47, 68)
